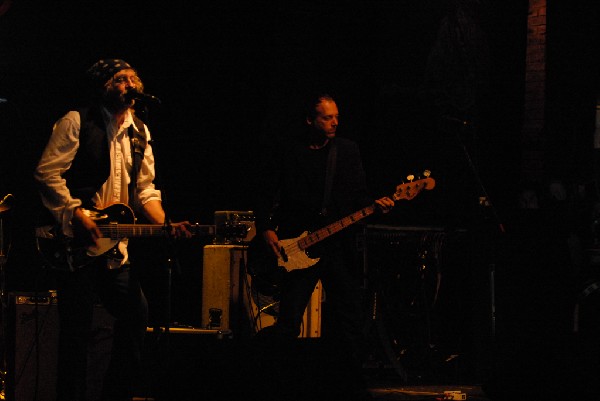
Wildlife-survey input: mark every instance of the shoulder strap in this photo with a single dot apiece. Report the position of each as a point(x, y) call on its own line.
point(330, 172)
point(138, 142)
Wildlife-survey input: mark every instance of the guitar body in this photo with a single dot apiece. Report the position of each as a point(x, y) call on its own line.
point(65, 253)
point(267, 271)
point(294, 258)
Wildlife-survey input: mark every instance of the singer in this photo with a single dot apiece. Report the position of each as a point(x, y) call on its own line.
point(98, 156)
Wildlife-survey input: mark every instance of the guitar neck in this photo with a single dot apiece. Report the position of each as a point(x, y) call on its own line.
point(321, 234)
point(117, 231)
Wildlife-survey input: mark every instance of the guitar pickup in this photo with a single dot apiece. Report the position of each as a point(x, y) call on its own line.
point(283, 254)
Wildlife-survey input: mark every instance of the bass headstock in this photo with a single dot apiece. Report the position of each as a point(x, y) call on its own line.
point(413, 187)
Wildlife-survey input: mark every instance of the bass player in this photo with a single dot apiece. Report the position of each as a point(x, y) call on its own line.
point(308, 181)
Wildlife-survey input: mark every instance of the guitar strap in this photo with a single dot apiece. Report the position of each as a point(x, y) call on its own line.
point(329, 173)
point(137, 154)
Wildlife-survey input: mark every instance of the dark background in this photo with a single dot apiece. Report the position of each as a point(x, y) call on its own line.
point(431, 84)
point(232, 75)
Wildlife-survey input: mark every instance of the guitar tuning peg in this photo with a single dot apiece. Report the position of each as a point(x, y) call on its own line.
point(410, 177)
point(426, 173)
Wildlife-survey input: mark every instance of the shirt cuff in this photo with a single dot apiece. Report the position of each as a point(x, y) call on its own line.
point(67, 217)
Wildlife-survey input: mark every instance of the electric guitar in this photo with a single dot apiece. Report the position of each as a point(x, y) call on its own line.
point(115, 222)
point(294, 251)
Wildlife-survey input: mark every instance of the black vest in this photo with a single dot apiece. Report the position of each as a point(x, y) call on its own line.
point(91, 166)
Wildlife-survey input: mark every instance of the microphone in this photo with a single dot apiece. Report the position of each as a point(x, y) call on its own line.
point(455, 120)
point(133, 94)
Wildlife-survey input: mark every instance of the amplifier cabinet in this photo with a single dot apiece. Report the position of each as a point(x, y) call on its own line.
point(262, 317)
point(32, 358)
point(221, 286)
point(312, 314)
point(229, 301)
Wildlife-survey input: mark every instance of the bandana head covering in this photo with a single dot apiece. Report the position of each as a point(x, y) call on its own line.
point(105, 69)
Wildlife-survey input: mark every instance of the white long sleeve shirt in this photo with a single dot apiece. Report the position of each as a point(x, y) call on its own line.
point(58, 157)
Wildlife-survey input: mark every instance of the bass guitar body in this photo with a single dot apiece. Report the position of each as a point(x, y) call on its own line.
point(268, 271)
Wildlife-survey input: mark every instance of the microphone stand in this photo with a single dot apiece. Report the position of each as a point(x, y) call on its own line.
point(163, 331)
point(486, 205)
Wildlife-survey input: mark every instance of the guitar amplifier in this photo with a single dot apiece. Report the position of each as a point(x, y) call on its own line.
point(234, 227)
point(228, 299)
point(221, 291)
point(32, 347)
point(259, 309)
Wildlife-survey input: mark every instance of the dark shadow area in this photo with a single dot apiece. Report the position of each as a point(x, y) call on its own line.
point(422, 85)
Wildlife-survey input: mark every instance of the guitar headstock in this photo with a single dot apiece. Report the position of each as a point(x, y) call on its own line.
point(6, 203)
point(413, 187)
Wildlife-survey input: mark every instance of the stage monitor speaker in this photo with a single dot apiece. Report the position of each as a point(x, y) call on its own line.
point(228, 301)
point(32, 359)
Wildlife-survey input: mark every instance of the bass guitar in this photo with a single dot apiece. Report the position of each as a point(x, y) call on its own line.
point(294, 255)
point(115, 222)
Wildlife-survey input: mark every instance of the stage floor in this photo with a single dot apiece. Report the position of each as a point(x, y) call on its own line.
point(387, 392)
point(392, 391)
point(302, 370)
point(312, 370)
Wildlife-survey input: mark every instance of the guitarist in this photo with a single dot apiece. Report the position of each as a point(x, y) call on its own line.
point(91, 157)
point(307, 182)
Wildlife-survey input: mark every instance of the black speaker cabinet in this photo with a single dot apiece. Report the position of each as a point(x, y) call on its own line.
point(32, 358)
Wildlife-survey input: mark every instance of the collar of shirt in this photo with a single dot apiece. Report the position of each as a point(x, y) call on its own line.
point(110, 121)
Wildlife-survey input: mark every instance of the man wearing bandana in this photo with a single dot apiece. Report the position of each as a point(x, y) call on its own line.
point(96, 157)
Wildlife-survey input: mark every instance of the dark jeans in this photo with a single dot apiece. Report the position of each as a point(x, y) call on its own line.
point(343, 302)
point(335, 360)
point(120, 293)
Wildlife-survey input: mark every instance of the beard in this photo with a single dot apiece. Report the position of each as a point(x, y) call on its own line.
point(116, 101)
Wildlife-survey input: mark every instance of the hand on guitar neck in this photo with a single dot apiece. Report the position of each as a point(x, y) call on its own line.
point(155, 213)
point(181, 229)
point(384, 204)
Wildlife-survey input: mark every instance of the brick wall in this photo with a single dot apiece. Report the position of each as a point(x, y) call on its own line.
point(535, 77)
